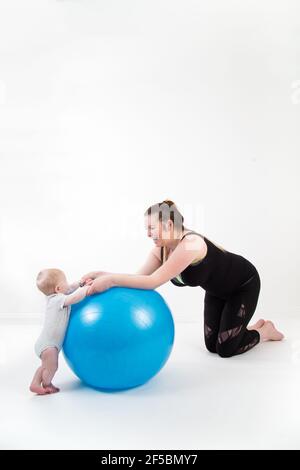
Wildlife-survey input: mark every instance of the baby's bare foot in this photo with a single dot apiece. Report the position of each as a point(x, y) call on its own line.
point(51, 388)
point(268, 332)
point(256, 325)
point(35, 388)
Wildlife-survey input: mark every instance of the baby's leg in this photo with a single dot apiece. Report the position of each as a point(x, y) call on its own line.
point(49, 366)
point(36, 386)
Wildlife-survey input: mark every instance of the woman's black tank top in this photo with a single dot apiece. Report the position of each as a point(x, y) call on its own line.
point(220, 272)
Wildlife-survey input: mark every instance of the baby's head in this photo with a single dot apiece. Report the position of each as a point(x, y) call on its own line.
point(51, 281)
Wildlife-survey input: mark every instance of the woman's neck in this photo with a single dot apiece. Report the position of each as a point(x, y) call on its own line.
point(172, 244)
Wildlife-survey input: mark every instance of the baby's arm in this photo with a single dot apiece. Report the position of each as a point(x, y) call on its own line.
point(77, 297)
point(75, 285)
point(72, 287)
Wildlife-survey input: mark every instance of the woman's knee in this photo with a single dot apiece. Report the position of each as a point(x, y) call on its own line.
point(210, 338)
point(225, 350)
point(211, 346)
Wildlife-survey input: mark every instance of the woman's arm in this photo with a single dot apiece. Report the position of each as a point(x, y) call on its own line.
point(181, 257)
point(152, 263)
point(140, 280)
point(92, 275)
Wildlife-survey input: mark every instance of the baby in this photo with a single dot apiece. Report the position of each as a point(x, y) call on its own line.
point(59, 298)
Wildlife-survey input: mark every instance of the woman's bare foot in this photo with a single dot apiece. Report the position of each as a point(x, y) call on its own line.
point(256, 325)
point(268, 332)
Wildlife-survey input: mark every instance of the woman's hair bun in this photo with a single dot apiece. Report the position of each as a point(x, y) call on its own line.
point(169, 202)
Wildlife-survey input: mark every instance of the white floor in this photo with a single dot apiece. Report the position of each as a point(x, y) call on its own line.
point(198, 400)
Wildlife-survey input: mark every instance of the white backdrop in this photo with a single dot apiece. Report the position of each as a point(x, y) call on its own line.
point(109, 106)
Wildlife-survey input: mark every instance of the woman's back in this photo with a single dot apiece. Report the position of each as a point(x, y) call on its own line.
point(220, 272)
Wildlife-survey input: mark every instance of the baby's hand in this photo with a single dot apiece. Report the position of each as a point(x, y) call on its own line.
point(85, 282)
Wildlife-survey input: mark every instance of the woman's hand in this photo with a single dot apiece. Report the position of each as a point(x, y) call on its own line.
point(101, 284)
point(89, 277)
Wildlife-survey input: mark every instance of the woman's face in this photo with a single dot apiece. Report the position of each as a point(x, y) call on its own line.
point(159, 232)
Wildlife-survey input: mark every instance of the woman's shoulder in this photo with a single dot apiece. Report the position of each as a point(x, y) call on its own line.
point(194, 240)
point(203, 241)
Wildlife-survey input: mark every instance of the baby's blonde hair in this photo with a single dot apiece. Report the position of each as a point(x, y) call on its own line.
point(47, 280)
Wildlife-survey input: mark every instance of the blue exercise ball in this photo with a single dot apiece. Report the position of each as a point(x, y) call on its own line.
point(120, 338)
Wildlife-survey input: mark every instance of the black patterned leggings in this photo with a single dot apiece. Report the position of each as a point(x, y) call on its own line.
point(225, 321)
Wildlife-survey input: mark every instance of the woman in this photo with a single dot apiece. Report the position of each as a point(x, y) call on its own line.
point(187, 258)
